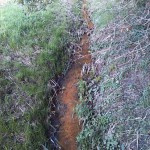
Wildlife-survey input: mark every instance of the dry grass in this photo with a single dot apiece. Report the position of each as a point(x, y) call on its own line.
point(118, 87)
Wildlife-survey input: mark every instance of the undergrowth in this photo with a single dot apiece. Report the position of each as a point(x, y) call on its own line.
point(34, 51)
point(115, 90)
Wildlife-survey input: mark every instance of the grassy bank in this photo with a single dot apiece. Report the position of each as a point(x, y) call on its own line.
point(35, 49)
point(115, 90)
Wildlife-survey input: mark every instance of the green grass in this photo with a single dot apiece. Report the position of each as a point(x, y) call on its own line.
point(34, 49)
point(102, 12)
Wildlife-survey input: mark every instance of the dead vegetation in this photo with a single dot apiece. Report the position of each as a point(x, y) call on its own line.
point(115, 94)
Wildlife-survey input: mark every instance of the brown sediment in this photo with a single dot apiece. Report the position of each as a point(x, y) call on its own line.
point(86, 15)
point(69, 123)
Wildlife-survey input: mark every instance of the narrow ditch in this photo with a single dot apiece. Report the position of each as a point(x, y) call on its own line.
point(68, 96)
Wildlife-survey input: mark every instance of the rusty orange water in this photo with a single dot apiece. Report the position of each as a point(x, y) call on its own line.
point(70, 127)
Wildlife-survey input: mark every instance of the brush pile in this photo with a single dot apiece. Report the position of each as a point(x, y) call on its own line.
point(116, 94)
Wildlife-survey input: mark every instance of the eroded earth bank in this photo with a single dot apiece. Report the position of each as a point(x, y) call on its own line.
point(69, 123)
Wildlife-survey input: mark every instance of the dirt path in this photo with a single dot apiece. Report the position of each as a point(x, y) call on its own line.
point(70, 127)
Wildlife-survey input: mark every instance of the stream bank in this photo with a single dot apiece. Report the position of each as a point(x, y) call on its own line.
point(68, 96)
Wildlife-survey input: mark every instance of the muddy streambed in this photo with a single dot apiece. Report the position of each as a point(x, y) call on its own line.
point(68, 97)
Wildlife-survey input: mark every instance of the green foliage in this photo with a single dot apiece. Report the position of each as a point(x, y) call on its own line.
point(95, 127)
point(103, 12)
point(82, 89)
point(34, 47)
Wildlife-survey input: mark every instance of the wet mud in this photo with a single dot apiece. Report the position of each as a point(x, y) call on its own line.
point(68, 96)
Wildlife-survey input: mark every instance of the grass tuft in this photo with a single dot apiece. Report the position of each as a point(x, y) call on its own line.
point(35, 49)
